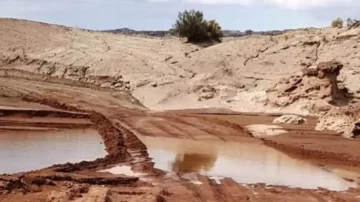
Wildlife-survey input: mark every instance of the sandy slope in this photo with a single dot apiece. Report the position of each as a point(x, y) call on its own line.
point(165, 73)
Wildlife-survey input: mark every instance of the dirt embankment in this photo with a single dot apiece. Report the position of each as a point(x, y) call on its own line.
point(318, 148)
point(17, 118)
point(165, 73)
point(73, 180)
point(71, 106)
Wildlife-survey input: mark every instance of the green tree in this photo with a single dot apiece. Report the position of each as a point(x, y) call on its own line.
point(192, 25)
point(214, 29)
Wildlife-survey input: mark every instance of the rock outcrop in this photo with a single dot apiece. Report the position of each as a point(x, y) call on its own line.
point(204, 92)
point(289, 119)
point(316, 85)
point(343, 120)
point(262, 130)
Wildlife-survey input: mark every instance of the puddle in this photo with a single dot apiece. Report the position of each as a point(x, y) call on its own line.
point(30, 150)
point(244, 162)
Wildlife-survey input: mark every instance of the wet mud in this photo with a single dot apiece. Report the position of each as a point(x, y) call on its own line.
point(123, 126)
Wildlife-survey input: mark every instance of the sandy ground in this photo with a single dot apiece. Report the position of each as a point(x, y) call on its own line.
point(165, 73)
point(55, 77)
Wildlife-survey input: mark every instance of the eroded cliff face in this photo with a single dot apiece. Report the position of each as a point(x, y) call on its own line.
point(316, 85)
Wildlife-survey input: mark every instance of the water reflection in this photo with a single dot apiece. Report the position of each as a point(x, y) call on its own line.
point(244, 162)
point(193, 162)
point(28, 150)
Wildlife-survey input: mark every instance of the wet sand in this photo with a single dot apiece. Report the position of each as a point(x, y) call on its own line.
point(238, 167)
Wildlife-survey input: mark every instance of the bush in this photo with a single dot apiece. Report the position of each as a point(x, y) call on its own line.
point(337, 23)
point(192, 25)
point(248, 32)
point(214, 30)
point(286, 37)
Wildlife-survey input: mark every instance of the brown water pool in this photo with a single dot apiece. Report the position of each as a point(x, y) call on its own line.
point(246, 163)
point(30, 150)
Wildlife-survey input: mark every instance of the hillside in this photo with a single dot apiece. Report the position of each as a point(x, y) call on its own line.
point(166, 73)
point(226, 33)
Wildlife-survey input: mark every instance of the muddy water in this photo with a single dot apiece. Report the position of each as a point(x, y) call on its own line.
point(29, 150)
point(244, 162)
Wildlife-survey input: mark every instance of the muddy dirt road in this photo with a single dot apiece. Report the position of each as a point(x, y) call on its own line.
point(168, 156)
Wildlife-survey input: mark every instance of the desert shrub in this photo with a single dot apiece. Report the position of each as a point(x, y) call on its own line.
point(337, 23)
point(214, 30)
point(192, 25)
point(248, 32)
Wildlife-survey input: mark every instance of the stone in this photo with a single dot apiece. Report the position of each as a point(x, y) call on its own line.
point(207, 95)
point(261, 130)
point(289, 119)
point(317, 84)
point(155, 84)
